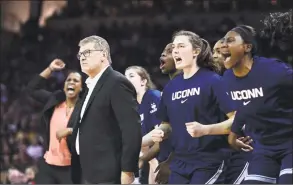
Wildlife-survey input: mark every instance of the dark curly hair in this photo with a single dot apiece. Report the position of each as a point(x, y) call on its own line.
point(278, 27)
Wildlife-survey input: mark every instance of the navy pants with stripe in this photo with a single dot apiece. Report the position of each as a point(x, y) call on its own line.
point(267, 169)
point(236, 166)
point(185, 173)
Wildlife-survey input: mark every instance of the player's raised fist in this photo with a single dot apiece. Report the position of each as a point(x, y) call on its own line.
point(57, 65)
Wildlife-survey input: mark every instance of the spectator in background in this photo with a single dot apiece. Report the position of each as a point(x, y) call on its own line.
point(17, 177)
point(35, 150)
point(30, 174)
point(4, 96)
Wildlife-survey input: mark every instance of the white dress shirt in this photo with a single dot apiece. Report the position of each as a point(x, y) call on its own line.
point(90, 83)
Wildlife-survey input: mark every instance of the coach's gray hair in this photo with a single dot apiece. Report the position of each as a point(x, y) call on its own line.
point(99, 44)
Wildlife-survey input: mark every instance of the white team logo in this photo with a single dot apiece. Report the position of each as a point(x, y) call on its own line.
point(183, 101)
point(185, 93)
point(246, 103)
point(247, 94)
point(154, 108)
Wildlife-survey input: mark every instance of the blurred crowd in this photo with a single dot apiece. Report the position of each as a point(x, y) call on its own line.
point(26, 54)
point(113, 8)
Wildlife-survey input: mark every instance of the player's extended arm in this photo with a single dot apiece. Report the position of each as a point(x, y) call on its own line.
point(221, 128)
point(164, 127)
point(196, 129)
point(151, 153)
point(232, 139)
point(147, 140)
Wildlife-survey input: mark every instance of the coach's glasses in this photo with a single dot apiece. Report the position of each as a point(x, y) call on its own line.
point(86, 53)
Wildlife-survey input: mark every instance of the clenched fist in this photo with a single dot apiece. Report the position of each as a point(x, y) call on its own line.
point(157, 135)
point(57, 65)
point(196, 129)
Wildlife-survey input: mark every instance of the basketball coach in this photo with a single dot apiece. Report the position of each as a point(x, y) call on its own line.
point(106, 138)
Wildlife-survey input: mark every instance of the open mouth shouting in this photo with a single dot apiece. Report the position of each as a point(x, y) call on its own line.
point(178, 60)
point(162, 63)
point(227, 56)
point(70, 89)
